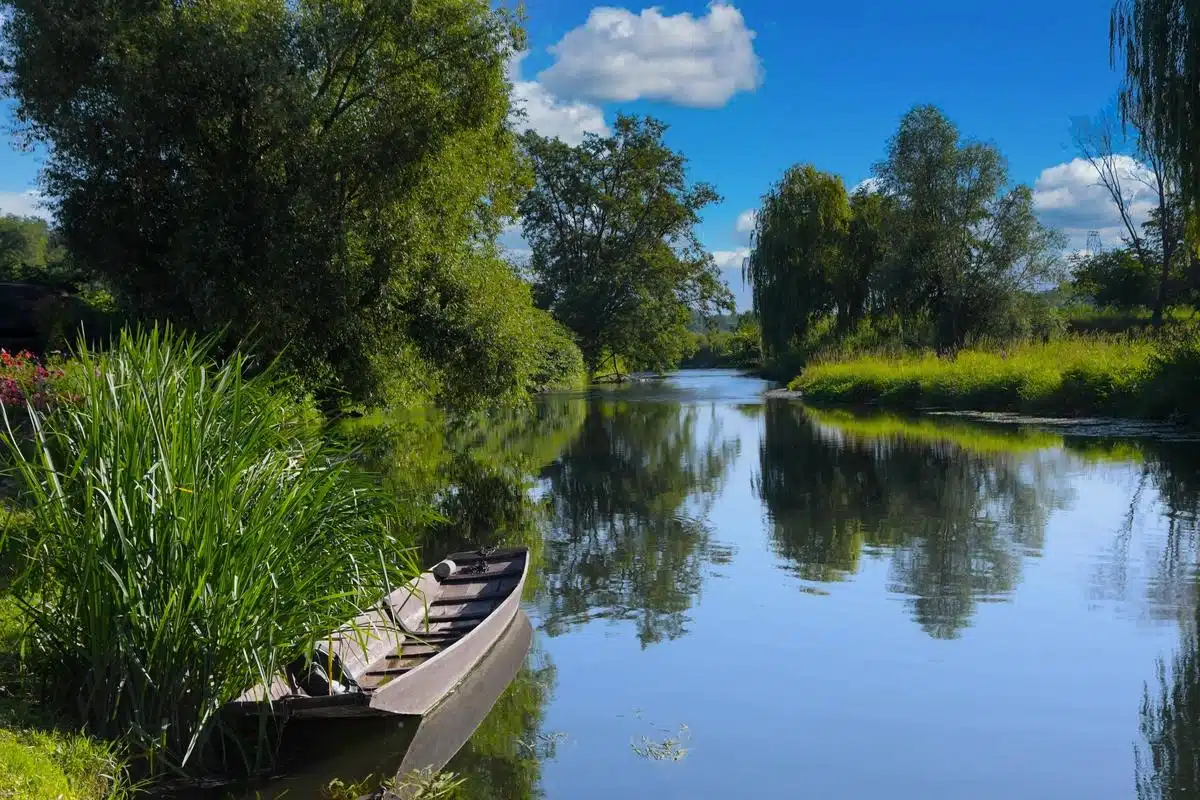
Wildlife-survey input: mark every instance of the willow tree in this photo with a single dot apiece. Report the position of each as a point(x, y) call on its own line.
point(1158, 42)
point(325, 176)
point(798, 254)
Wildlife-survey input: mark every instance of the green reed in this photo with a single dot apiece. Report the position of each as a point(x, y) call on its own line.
point(191, 534)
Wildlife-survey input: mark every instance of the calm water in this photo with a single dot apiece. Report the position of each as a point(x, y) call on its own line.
point(787, 603)
point(747, 598)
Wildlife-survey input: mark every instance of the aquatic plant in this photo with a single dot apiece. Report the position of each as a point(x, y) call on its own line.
point(190, 534)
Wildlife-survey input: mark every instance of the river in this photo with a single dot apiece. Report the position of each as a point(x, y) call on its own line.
point(739, 597)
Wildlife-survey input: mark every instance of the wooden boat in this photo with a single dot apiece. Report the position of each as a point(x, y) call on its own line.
point(411, 650)
point(354, 750)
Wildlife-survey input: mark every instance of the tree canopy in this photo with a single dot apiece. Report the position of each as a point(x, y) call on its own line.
point(940, 239)
point(611, 223)
point(1158, 42)
point(326, 177)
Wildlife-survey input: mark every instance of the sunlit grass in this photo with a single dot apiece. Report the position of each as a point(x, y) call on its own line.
point(189, 534)
point(41, 758)
point(1071, 375)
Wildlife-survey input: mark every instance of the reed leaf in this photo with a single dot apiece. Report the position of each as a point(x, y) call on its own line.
point(191, 533)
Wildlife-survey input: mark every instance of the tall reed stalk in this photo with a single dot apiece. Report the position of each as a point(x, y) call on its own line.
point(191, 534)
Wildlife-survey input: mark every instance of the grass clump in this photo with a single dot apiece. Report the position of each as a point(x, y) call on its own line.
point(51, 765)
point(1072, 375)
point(190, 534)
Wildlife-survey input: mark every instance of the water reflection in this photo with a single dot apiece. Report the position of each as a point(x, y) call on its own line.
point(502, 761)
point(626, 539)
point(1167, 763)
point(956, 521)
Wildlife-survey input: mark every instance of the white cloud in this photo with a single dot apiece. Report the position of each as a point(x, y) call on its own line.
point(621, 56)
point(550, 116)
point(25, 204)
point(745, 223)
point(731, 259)
point(1069, 197)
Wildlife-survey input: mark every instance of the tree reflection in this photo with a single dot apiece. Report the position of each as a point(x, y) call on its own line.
point(1167, 765)
point(503, 758)
point(627, 499)
point(957, 523)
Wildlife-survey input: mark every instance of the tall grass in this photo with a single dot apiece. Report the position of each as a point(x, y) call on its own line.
point(1131, 376)
point(190, 535)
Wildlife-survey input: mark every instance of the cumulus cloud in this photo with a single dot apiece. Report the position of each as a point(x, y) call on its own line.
point(621, 56)
point(24, 204)
point(731, 259)
point(1069, 197)
point(547, 114)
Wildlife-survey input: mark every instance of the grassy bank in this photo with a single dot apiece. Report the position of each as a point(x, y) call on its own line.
point(1120, 376)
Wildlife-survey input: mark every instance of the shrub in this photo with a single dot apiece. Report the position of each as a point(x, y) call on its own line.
point(24, 380)
point(1174, 385)
point(190, 535)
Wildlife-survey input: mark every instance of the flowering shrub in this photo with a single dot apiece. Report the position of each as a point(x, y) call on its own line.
point(24, 380)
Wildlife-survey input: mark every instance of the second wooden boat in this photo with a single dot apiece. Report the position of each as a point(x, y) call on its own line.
point(410, 651)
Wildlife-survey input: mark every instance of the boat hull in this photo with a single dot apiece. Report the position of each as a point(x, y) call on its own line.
point(430, 655)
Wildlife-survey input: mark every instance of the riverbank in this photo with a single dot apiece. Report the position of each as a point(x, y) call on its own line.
point(1137, 377)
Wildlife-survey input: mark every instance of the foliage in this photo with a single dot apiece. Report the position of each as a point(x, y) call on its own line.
point(419, 785)
point(41, 765)
point(1083, 318)
point(1113, 279)
point(721, 348)
point(968, 245)
point(325, 179)
point(558, 362)
point(1124, 376)
point(611, 223)
point(1156, 42)
point(30, 250)
point(489, 346)
point(190, 536)
point(40, 756)
point(940, 243)
point(798, 254)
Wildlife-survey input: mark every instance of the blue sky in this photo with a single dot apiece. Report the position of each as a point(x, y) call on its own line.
point(750, 87)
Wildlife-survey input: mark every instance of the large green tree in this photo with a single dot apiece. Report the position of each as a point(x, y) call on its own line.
point(611, 223)
point(326, 176)
point(969, 243)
